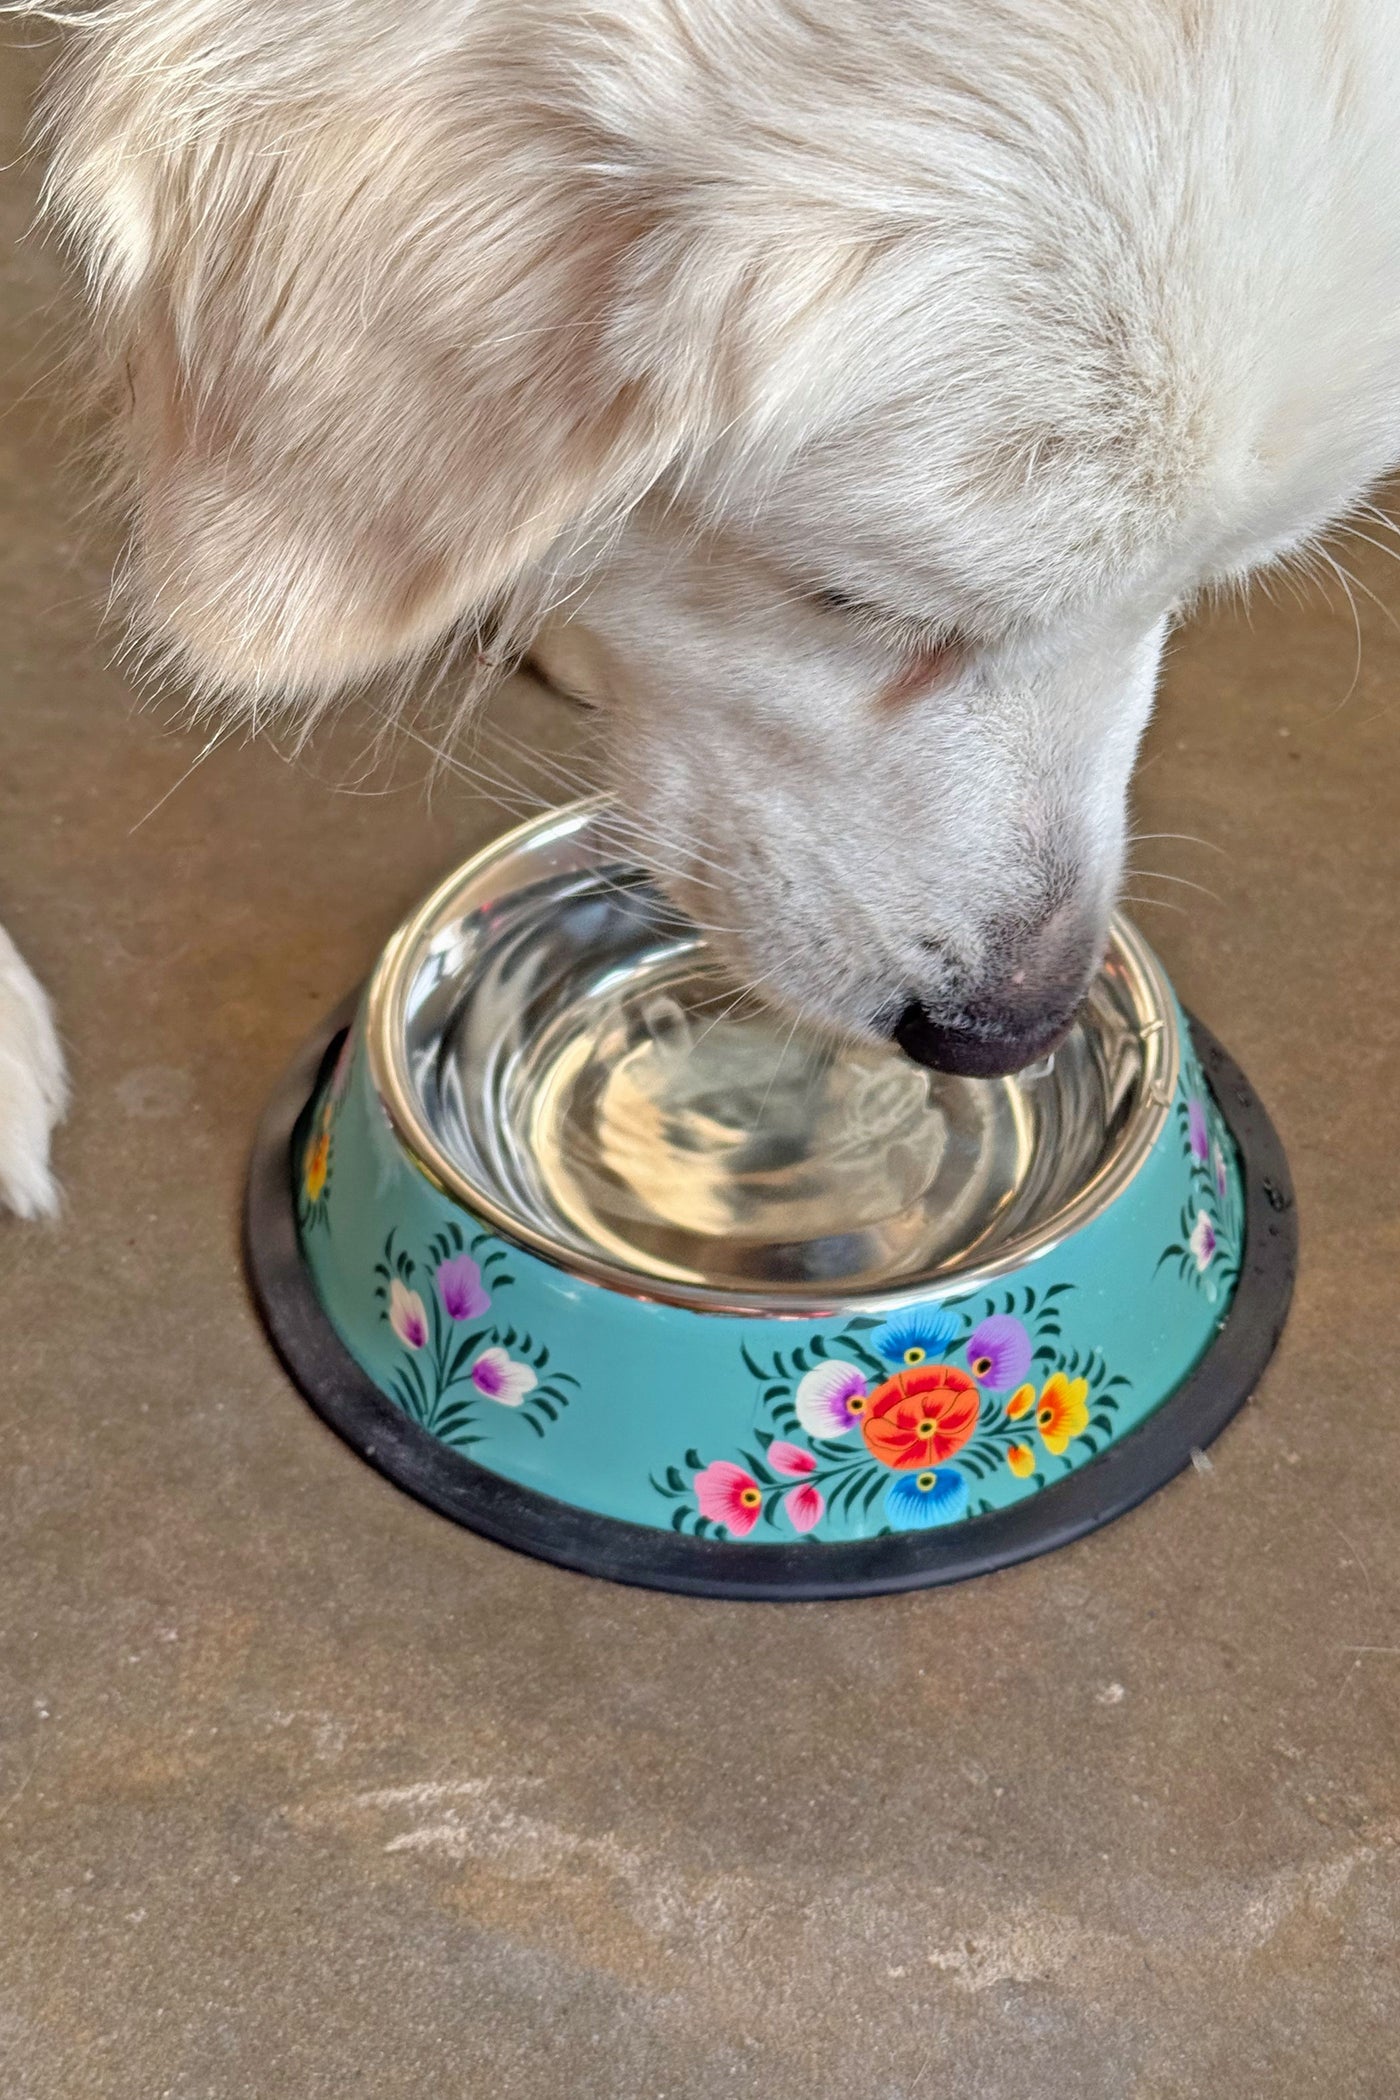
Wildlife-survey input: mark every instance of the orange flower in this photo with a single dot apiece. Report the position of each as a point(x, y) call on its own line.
point(920, 1417)
point(1063, 1411)
point(1021, 1460)
point(318, 1161)
point(1021, 1402)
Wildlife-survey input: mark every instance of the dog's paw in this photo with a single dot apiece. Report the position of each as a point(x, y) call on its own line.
point(33, 1088)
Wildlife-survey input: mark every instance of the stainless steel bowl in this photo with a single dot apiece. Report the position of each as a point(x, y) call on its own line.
point(595, 1253)
point(559, 1048)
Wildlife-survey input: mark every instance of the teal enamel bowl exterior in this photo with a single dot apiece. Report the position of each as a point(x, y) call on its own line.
point(787, 1425)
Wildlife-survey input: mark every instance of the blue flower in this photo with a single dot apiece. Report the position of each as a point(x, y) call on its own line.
point(917, 1336)
point(918, 1501)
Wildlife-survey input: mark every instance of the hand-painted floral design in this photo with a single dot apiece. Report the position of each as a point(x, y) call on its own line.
point(1202, 1240)
point(831, 1398)
point(463, 1295)
point(502, 1377)
point(999, 1352)
point(1206, 1252)
point(918, 1501)
point(914, 1338)
point(1063, 1411)
point(316, 1171)
point(317, 1159)
point(727, 1495)
point(918, 1417)
point(804, 1507)
point(407, 1314)
point(449, 1379)
point(791, 1459)
point(930, 1433)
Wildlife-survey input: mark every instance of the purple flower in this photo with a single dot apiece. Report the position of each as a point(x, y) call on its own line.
point(1202, 1241)
point(1218, 1161)
point(461, 1290)
point(1196, 1128)
point(999, 1352)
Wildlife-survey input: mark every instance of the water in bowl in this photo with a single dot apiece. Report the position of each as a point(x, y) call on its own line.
point(580, 1058)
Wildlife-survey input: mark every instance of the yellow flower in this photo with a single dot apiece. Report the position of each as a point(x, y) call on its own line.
point(317, 1166)
point(1021, 1402)
point(1021, 1460)
point(1063, 1411)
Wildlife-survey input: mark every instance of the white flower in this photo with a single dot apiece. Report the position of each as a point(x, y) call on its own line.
point(499, 1377)
point(407, 1315)
point(830, 1400)
point(1202, 1241)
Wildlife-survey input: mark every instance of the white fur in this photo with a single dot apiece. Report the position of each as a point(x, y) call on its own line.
point(1017, 321)
point(33, 1090)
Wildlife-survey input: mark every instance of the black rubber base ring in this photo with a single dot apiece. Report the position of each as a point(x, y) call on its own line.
point(1141, 1461)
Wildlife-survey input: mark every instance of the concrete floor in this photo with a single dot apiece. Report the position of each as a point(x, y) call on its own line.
point(305, 1793)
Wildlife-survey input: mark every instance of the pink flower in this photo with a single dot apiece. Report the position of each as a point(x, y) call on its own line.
point(727, 1495)
point(1218, 1162)
point(1196, 1127)
point(790, 1458)
point(831, 1399)
point(408, 1315)
point(460, 1288)
point(804, 1506)
point(500, 1377)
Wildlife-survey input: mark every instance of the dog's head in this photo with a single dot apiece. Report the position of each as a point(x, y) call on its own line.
point(867, 385)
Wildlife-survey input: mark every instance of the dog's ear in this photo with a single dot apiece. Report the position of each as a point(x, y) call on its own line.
point(375, 350)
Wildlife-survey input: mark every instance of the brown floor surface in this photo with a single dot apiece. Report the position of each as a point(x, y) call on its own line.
point(304, 1792)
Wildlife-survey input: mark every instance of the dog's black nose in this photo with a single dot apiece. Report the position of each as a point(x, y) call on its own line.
point(974, 1053)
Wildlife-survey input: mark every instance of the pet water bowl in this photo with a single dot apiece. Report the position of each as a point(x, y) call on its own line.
point(623, 1270)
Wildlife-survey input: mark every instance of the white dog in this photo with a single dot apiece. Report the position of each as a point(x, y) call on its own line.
point(871, 381)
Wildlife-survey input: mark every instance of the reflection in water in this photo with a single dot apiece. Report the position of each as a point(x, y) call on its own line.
point(578, 1053)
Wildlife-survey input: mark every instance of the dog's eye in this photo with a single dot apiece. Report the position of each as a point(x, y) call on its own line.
point(908, 629)
point(836, 602)
point(928, 646)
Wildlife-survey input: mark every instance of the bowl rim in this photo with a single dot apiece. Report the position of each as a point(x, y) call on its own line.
point(384, 1006)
